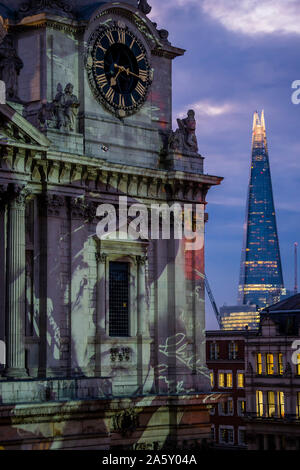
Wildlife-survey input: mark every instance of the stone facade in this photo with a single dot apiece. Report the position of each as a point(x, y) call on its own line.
point(62, 155)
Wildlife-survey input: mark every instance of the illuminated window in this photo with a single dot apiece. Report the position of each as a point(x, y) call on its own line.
point(280, 364)
point(298, 365)
point(240, 380)
point(214, 350)
point(259, 403)
point(233, 350)
point(298, 405)
point(241, 407)
point(259, 363)
point(212, 383)
point(221, 379)
point(270, 364)
point(270, 404)
point(229, 380)
point(280, 401)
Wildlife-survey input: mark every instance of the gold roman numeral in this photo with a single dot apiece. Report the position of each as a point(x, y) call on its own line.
point(140, 57)
point(122, 36)
point(140, 89)
point(101, 80)
point(133, 100)
point(131, 45)
point(101, 47)
point(143, 75)
point(110, 37)
point(121, 101)
point(110, 94)
point(99, 63)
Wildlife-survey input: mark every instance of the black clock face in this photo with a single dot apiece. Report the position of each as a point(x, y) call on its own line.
point(119, 71)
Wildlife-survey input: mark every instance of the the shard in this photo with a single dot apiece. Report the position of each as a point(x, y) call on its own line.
point(261, 280)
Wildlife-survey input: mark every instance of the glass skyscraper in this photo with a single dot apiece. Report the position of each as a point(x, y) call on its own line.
point(261, 281)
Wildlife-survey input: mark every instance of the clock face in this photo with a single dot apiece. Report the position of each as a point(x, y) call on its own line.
point(119, 71)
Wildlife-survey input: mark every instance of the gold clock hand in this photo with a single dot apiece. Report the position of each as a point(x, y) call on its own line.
point(113, 80)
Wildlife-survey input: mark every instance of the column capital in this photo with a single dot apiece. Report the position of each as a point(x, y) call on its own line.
point(141, 260)
point(101, 257)
point(17, 194)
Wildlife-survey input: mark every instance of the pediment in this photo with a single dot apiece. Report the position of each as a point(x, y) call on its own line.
point(16, 131)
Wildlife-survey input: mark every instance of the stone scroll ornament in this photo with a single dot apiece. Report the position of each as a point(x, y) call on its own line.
point(184, 138)
point(144, 7)
point(62, 112)
point(10, 67)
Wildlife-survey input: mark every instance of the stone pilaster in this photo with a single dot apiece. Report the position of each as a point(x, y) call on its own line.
point(142, 319)
point(15, 313)
point(141, 301)
point(101, 307)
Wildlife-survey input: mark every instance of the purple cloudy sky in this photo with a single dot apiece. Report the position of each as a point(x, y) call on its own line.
point(242, 56)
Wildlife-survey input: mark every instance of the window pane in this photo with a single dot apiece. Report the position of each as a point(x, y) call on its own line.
point(280, 399)
point(221, 380)
point(270, 364)
point(118, 299)
point(271, 404)
point(259, 403)
point(280, 364)
point(240, 380)
point(228, 380)
point(258, 363)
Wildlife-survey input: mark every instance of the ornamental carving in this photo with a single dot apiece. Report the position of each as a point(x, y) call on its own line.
point(80, 208)
point(144, 7)
point(46, 6)
point(184, 138)
point(17, 195)
point(120, 354)
point(101, 258)
point(62, 112)
point(126, 422)
point(10, 67)
point(52, 203)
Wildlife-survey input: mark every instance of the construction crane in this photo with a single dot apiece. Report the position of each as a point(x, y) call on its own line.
point(212, 301)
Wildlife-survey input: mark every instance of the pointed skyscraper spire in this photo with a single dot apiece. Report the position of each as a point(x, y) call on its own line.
point(261, 281)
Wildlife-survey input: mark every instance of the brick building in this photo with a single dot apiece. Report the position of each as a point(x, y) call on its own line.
point(226, 362)
point(272, 383)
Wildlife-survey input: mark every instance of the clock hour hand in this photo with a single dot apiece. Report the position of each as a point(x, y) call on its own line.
point(128, 71)
point(113, 80)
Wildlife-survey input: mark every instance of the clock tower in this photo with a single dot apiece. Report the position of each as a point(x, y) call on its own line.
point(107, 334)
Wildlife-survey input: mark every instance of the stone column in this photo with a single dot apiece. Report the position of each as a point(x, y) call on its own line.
point(101, 308)
point(142, 316)
point(15, 314)
point(141, 300)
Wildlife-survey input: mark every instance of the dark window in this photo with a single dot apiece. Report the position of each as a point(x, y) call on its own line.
point(118, 299)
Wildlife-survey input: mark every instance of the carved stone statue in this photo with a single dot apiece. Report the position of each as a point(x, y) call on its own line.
point(144, 7)
point(70, 106)
point(184, 138)
point(62, 112)
point(10, 67)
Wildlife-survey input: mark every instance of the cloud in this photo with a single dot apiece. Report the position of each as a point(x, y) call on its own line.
point(253, 17)
point(249, 17)
point(206, 108)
